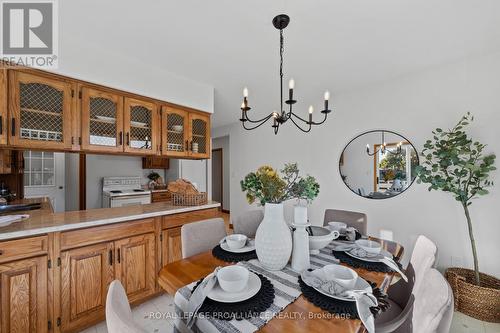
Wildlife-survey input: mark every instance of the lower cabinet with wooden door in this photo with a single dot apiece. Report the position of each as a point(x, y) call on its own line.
point(135, 266)
point(23, 294)
point(86, 273)
point(171, 247)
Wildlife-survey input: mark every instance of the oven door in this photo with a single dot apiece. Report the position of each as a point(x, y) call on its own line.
point(130, 200)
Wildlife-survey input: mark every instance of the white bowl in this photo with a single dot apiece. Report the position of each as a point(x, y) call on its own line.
point(233, 279)
point(322, 237)
point(337, 226)
point(343, 275)
point(236, 241)
point(369, 246)
point(177, 128)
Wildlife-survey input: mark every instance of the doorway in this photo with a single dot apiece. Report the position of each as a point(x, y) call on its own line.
point(217, 176)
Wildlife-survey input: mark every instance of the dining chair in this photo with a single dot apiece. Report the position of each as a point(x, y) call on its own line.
point(352, 219)
point(422, 258)
point(201, 236)
point(118, 312)
point(248, 222)
point(433, 308)
point(398, 317)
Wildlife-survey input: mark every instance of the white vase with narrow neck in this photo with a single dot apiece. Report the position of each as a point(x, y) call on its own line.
point(273, 240)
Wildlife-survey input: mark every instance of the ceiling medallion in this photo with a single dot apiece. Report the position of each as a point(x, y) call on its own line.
point(280, 22)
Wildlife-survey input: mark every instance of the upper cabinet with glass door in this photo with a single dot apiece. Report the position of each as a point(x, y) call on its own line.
point(141, 127)
point(199, 135)
point(40, 111)
point(175, 127)
point(102, 121)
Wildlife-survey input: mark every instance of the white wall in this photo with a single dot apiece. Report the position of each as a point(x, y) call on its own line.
point(412, 106)
point(99, 166)
point(223, 142)
point(72, 166)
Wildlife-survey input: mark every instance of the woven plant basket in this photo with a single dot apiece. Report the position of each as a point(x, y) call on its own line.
point(481, 302)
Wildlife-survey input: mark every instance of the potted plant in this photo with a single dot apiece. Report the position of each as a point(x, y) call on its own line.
point(153, 179)
point(456, 164)
point(273, 241)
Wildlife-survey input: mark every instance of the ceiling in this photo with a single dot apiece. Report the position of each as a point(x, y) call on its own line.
point(330, 44)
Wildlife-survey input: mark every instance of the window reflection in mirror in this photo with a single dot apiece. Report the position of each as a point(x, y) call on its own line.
point(378, 164)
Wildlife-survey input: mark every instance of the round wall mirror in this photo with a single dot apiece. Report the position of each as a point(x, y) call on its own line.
point(378, 164)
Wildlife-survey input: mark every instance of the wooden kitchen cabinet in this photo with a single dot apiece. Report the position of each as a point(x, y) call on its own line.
point(175, 127)
point(23, 296)
point(135, 265)
point(155, 162)
point(199, 135)
point(101, 121)
point(141, 127)
point(5, 161)
point(3, 106)
point(160, 196)
point(39, 111)
point(86, 274)
point(171, 247)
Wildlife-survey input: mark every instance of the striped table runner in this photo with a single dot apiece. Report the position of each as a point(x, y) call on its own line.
point(286, 289)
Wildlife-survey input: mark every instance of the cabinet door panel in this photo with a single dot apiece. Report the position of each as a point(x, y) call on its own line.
point(102, 121)
point(85, 277)
point(172, 250)
point(136, 265)
point(141, 127)
point(23, 295)
point(174, 132)
point(40, 112)
point(3, 107)
point(199, 131)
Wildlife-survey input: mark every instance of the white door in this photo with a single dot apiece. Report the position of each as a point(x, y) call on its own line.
point(44, 174)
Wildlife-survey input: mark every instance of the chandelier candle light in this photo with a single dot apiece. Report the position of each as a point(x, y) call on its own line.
point(383, 148)
point(280, 22)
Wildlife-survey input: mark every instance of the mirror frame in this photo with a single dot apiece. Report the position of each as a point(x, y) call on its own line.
point(372, 131)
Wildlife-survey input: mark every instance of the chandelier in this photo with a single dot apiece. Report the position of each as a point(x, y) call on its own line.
point(383, 148)
point(280, 22)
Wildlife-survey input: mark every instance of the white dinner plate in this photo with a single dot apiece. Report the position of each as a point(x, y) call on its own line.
point(361, 284)
point(252, 288)
point(250, 246)
point(108, 119)
point(371, 258)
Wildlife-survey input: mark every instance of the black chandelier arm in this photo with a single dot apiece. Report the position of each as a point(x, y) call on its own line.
point(298, 126)
point(256, 126)
point(266, 118)
point(307, 121)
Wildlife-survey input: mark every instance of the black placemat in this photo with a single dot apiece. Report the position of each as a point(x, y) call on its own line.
point(227, 256)
point(358, 263)
point(252, 307)
point(339, 307)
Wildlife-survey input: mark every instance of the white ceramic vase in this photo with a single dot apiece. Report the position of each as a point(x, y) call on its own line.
point(273, 240)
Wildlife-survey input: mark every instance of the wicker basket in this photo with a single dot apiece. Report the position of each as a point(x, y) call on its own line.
point(481, 302)
point(179, 199)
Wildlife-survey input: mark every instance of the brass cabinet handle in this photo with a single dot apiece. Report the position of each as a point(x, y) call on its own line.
point(187, 145)
point(110, 257)
point(121, 138)
point(13, 128)
point(128, 139)
point(118, 257)
point(1, 125)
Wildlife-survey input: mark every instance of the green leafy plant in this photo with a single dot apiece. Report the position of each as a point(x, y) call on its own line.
point(154, 176)
point(456, 164)
point(267, 186)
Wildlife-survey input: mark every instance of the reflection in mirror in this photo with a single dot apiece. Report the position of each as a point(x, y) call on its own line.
point(378, 164)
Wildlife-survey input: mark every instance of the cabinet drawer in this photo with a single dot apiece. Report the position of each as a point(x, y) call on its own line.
point(23, 248)
point(81, 237)
point(160, 196)
point(170, 221)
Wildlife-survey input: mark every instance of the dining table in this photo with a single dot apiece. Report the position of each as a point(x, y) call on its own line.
point(176, 275)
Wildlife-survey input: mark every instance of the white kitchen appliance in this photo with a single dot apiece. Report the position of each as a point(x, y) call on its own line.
point(123, 191)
